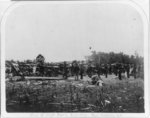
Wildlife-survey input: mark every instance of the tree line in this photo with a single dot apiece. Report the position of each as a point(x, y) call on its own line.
point(111, 57)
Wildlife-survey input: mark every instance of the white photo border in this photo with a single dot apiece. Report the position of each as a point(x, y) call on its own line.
point(54, 115)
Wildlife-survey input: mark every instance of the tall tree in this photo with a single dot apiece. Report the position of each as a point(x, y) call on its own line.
point(40, 59)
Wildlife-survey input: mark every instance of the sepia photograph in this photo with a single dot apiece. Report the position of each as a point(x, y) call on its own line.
point(75, 57)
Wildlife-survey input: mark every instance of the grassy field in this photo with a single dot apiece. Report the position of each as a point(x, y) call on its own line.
point(126, 96)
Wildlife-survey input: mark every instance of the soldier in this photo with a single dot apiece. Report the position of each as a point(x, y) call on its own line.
point(110, 69)
point(128, 70)
point(97, 80)
point(89, 70)
point(34, 70)
point(65, 70)
point(116, 70)
point(76, 70)
point(72, 73)
point(134, 70)
point(81, 70)
point(120, 72)
point(98, 70)
point(106, 70)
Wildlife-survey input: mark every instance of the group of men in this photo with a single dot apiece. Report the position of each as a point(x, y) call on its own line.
point(80, 69)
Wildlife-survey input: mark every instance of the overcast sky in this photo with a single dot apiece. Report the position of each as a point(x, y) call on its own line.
point(66, 31)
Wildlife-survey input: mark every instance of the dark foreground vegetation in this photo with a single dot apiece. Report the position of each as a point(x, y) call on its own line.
point(75, 96)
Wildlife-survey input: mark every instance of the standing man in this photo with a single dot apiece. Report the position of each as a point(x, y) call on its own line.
point(116, 69)
point(106, 70)
point(128, 70)
point(76, 70)
point(135, 70)
point(119, 72)
point(110, 69)
point(65, 70)
point(81, 70)
point(98, 70)
point(89, 70)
